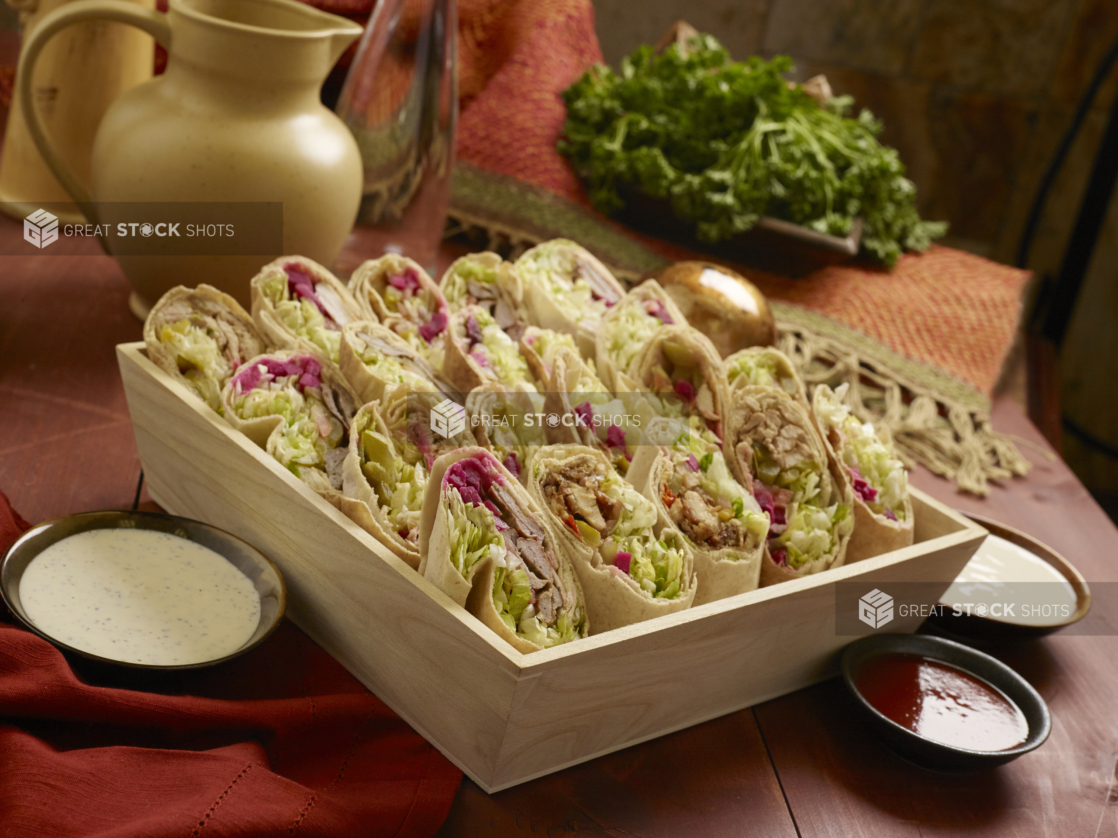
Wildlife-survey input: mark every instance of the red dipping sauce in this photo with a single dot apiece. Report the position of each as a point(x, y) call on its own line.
point(941, 702)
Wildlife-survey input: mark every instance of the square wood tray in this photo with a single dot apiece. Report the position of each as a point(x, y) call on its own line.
point(504, 717)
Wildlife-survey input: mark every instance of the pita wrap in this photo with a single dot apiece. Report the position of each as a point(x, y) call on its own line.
point(568, 289)
point(374, 358)
point(298, 304)
point(627, 327)
point(681, 372)
point(298, 409)
point(539, 347)
point(488, 281)
point(776, 452)
point(632, 567)
point(388, 488)
point(690, 484)
point(488, 546)
point(395, 286)
point(508, 423)
point(478, 352)
point(883, 517)
point(199, 337)
point(763, 366)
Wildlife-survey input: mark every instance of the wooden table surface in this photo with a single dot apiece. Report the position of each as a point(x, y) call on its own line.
point(799, 765)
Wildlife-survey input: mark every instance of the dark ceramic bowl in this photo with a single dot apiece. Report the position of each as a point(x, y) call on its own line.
point(927, 752)
point(251, 562)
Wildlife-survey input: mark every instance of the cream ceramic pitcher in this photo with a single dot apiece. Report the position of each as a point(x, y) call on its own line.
point(236, 117)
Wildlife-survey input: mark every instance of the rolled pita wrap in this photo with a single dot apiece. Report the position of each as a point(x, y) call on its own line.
point(690, 484)
point(776, 452)
point(431, 348)
point(539, 346)
point(488, 281)
point(883, 518)
point(478, 352)
point(395, 286)
point(298, 304)
point(681, 372)
point(568, 289)
point(627, 327)
point(298, 409)
point(763, 366)
point(508, 423)
point(487, 545)
point(200, 336)
point(632, 567)
point(373, 358)
point(378, 475)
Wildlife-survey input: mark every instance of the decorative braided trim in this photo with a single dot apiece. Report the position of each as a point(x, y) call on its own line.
point(935, 419)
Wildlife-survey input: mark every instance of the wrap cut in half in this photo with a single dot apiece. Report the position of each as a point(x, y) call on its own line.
point(763, 366)
point(586, 413)
point(627, 327)
point(488, 281)
point(681, 372)
point(395, 286)
point(298, 304)
point(378, 475)
point(568, 289)
point(776, 452)
point(478, 352)
point(508, 422)
point(373, 359)
point(297, 408)
point(487, 545)
point(632, 567)
point(199, 337)
point(689, 482)
point(883, 517)
point(539, 347)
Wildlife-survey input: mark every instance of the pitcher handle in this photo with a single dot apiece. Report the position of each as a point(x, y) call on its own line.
point(153, 22)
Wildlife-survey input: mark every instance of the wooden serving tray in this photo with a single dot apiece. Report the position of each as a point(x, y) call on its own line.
point(504, 717)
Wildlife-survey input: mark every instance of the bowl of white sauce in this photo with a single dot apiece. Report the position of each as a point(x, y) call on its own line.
point(143, 589)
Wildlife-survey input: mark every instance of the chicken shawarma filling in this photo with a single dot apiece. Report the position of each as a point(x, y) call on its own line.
point(707, 504)
point(610, 516)
point(208, 346)
point(316, 415)
point(487, 521)
point(495, 353)
point(474, 283)
point(399, 365)
point(311, 309)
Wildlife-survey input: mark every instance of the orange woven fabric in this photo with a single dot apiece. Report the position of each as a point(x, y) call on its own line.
point(947, 308)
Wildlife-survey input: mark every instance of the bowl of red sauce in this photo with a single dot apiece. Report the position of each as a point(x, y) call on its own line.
point(943, 705)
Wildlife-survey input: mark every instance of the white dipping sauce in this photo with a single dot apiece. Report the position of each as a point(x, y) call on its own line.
point(140, 596)
point(1009, 574)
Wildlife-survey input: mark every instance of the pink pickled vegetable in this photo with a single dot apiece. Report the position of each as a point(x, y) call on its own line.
point(512, 464)
point(473, 330)
point(657, 309)
point(623, 561)
point(693, 462)
point(862, 488)
point(408, 282)
point(301, 284)
point(585, 414)
point(779, 555)
point(685, 390)
point(435, 326)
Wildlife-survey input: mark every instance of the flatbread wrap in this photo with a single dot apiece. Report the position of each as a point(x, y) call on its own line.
point(681, 372)
point(627, 327)
point(298, 304)
point(776, 452)
point(508, 422)
point(883, 518)
point(487, 280)
point(632, 567)
point(539, 347)
point(763, 366)
point(479, 351)
point(488, 546)
point(298, 409)
point(395, 286)
point(200, 336)
point(689, 482)
point(568, 289)
point(374, 358)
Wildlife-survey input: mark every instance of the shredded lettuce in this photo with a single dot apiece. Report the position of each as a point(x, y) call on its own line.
point(501, 353)
point(455, 284)
point(627, 332)
point(399, 485)
point(302, 317)
point(760, 369)
point(473, 535)
point(390, 369)
point(199, 359)
point(553, 266)
point(657, 564)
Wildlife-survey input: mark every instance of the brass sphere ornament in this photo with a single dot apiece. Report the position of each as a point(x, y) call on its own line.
point(720, 303)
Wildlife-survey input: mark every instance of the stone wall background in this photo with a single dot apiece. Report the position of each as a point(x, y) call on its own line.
point(976, 95)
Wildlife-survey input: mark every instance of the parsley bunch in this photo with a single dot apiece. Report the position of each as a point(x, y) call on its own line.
point(728, 142)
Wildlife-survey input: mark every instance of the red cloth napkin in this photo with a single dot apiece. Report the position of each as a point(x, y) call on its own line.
point(282, 741)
